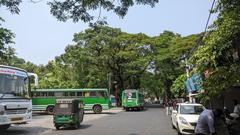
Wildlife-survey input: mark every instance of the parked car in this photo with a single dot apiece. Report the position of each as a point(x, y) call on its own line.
point(185, 116)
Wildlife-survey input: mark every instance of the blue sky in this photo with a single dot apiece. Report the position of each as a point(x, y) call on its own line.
point(40, 37)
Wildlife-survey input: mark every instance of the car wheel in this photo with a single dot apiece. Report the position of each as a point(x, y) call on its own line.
point(50, 110)
point(173, 127)
point(178, 130)
point(97, 109)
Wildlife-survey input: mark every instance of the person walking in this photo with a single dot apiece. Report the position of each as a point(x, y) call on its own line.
point(205, 124)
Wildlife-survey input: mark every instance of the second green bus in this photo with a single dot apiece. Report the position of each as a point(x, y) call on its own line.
point(132, 99)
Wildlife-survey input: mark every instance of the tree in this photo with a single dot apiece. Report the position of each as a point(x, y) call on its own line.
point(220, 54)
point(82, 9)
point(6, 36)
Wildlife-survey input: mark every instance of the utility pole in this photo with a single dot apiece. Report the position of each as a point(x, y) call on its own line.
point(187, 67)
point(109, 83)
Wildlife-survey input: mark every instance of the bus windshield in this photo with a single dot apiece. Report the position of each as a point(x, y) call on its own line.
point(13, 84)
point(129, 95)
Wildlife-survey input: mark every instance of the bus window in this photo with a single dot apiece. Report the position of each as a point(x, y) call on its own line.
point(93, 94)
point(86, 94)
point(43, 94)
point(101, 94)
point(37, 94)
point(66, 94)
point(79, 94)
point(51, 94)
point(58, 94)
point(32, 94)
point(72, 94)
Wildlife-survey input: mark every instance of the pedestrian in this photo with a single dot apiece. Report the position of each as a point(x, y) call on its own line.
point(205, 124)
point(236, 107)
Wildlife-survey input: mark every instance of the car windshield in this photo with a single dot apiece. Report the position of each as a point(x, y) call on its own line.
point(13, 84)
point(190, 109)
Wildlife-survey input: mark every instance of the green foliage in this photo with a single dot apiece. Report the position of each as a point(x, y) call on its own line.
point(220, 54)
point(178, 88)
point(81, 10)
point(6, 36)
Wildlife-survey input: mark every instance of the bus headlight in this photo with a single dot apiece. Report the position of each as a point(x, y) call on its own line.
point(29, 110)
point(1, 110)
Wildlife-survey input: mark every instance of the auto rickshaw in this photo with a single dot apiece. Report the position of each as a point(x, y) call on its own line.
point(68, 113)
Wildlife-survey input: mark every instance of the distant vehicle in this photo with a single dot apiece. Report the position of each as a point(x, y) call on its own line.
point(93, 99)
point(185, 116)
point(132, 99)
point(15, 102)
point(68, 112)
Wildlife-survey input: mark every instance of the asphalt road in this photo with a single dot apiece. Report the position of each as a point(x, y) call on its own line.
point(152, 121)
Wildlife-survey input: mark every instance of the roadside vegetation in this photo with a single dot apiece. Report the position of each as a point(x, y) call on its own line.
point(102, 56)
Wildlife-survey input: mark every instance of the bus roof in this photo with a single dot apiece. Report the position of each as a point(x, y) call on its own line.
point(71, 90)
point(4, 66)
point(131, 90)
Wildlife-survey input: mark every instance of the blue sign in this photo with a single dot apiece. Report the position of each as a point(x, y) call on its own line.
point(194, 83)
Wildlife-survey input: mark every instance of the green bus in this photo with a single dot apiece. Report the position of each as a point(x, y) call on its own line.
point(93, 99)
point(132, 99)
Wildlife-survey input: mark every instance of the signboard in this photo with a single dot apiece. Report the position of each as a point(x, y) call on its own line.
point(194, 83)
point(12, 72)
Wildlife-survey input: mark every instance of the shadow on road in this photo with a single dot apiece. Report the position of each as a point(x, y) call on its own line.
point(109, 113)
point(82, 126)
point(154, 106)
point(23, 130)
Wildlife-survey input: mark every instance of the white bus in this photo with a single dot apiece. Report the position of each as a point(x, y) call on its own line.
point(15, 101)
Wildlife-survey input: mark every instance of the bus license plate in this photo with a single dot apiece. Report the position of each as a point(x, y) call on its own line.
point(129, 100)
point(17, 119)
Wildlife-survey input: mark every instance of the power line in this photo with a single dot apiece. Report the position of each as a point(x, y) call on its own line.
point(204, 33)
point(209, 16)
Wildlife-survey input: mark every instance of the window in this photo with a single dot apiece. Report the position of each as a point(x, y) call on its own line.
point(72, 94)
point(66, 94)
point(86, 94)
point(101, 94)
point(79, 94)
point(43, 94)
point(93, 94)
point(51, 94)
point(190, 109)
point(58, 94)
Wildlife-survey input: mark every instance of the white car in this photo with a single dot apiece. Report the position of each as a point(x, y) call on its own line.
point(185, 116)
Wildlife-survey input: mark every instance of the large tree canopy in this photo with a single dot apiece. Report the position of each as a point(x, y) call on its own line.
point(82, 9)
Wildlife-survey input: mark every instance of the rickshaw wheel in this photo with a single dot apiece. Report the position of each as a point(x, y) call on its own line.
point(77, 125)
point(97, 109)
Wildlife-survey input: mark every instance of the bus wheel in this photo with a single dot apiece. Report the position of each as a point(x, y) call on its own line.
point(57, 127)
point(97, 109)
point(50, 110)
point(4, 127)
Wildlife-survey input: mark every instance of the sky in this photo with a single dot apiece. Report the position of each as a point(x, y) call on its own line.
point(39, 37)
